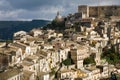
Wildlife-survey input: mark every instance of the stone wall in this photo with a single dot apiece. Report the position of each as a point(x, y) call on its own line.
point(100, 11)
point(84, 9)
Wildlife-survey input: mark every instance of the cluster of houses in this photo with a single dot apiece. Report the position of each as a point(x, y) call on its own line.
point(48, 55)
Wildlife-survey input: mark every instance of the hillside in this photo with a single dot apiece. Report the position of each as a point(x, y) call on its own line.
point(8, 28)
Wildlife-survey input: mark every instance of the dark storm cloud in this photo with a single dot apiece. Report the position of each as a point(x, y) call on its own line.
point(33, 4)
point(43, 9)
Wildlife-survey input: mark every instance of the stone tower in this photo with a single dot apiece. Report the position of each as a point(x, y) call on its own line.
point(98, 54)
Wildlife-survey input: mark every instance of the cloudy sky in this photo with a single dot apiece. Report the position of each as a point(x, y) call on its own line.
point(43, 9)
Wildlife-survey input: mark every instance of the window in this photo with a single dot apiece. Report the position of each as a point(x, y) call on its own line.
point(29, 68)
point(62, 76)
point(21, 77)
point(34, 67)
point(115, 7)
point(103, 8)
point(17, 77)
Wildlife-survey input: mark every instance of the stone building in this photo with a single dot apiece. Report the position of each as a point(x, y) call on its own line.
point(84, 9)
point(12, 74)
point(99, 11)
point(78, 55)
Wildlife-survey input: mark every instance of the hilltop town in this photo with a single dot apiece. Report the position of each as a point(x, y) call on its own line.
point(81, 46)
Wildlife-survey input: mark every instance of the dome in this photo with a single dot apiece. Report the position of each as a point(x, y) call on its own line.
point(58, 17)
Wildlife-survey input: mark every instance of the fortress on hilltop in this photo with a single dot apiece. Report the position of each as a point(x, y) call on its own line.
point(99, 11)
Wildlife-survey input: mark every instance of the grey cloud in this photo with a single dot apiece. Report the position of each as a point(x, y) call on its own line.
point(43, 9)
point(33, 4)
point(4, 5)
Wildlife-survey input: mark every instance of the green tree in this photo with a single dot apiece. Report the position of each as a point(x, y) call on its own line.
point(89, 60)
point(110, 55)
